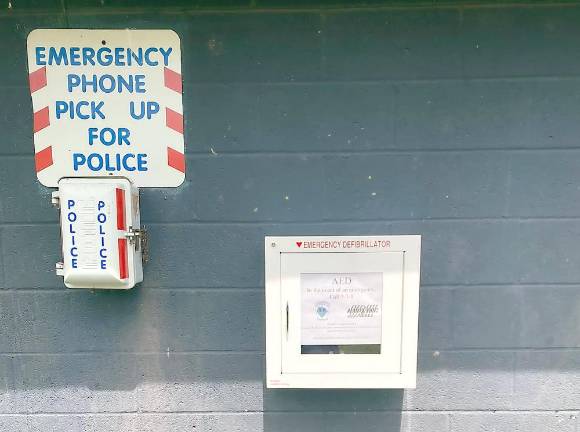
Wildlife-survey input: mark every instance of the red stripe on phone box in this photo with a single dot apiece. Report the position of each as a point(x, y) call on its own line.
point(174, 120)
point(37, 79)
point(172, 80)
point(120, 196)
point(176, 159)
point(43, 159)
point(123, 266)
point(41, 119)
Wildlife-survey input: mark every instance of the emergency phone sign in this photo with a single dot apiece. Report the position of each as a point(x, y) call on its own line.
point(107, 103)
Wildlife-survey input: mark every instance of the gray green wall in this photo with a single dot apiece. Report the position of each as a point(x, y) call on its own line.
point(459, 122)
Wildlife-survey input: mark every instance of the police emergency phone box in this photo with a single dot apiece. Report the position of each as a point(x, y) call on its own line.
point(101, 238)
point(342, 311)
point(107, 120)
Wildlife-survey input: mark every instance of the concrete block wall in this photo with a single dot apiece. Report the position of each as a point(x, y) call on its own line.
point(458, 121)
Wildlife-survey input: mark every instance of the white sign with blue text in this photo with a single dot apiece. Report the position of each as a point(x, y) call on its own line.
point(107, 103)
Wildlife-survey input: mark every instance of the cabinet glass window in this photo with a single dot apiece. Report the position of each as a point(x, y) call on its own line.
point(341, 313)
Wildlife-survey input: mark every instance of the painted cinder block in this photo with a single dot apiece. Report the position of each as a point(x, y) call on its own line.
point(395, 44)
point(513, 421)
point(7, 385)
point(547, 379)
point(8, 328)
point(147, 382)
point(492, 36)
point(484, 168)
point(16, 120)
point(334, 188)
point(132, 422)
point(348, 421)
point(33, 246)
point(480, 114)
point(149, 320)
point(435, 319)
point(13, 31)
point(24, 199)
point(463, 380)
point(552, 176)
point(486, 317)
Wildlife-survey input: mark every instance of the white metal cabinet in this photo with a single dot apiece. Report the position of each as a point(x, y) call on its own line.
point(101, 237)
point(342, 311)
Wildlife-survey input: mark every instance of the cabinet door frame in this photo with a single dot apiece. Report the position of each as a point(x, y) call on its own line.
point(359, 377)
point(388, 264)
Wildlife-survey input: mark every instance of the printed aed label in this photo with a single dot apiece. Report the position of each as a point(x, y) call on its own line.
point(107, 102)
point(341, 308)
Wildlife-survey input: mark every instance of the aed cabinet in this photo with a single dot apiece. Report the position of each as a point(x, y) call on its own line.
point(342, 312)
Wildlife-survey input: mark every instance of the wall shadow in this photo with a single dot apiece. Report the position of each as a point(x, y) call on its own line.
point(336, 410)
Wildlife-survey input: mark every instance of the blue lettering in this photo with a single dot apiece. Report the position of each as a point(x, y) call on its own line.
point(124, 136)
point(108, 136)
point(106, 83)
point(139, 83)
point(57, 57)
point(119, 57)
point(104, 264)
point(78, 110)
point(104, 56)
point(148, 109)
point(165, 54)
point(111, 87)
point(152, 108)
point(125, 82)
point(102, 217)
point(132, 112)
point(111, 162)
point(86, 83)
point(74, 263)
point(138, 58)
point(96, 109)
point(88, 54)
point(72, 216)
point(125, 158)
point(108, 166)
point(92, 135)
point(61, 108)
point(102, 253)
point(40, 56)
point(75, 56)
point(148, 60)
point(73, 80)
point(142, 162)
point(78, 160)
point(93, 110)
point(95, 157)
point(74, 252)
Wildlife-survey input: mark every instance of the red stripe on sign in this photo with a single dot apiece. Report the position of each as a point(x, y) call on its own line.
point(37, 79)
point(123, 267)
point(176, 159)
point(41, 119)
point(43, 159)
point(174, 120)
point(120, 195)
point(172, 80)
